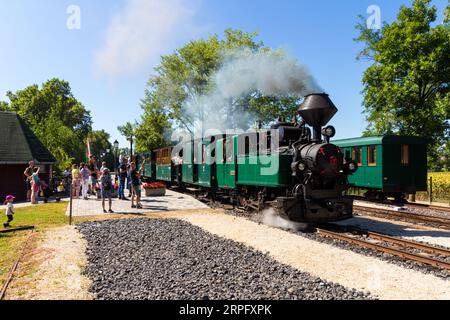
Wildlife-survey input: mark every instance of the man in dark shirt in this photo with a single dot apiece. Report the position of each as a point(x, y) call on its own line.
point(123, 173)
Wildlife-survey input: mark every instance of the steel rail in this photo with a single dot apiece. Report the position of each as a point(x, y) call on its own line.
point(410, 244)
point(385, 249)
point(428, 206)
point(14, 267)
point(405, 215)
point(17, 229)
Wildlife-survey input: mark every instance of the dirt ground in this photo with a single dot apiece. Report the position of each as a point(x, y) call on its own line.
point(52, 268)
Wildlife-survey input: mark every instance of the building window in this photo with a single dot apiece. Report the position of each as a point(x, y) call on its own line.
point(405, 154)
point(372, 156)
point(357, 155)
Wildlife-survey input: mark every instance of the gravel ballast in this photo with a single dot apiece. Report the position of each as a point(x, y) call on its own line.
point(426, 269)
point(173, 259)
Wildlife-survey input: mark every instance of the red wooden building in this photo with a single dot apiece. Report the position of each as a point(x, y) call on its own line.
point(19, 145)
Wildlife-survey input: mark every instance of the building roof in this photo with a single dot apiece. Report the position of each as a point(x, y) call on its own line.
point(381, 140)
point(18, 144)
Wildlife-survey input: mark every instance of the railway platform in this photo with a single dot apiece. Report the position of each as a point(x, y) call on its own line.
point(172, 201)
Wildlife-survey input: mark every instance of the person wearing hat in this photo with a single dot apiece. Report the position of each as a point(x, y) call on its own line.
point(9, 210)
point(106, 189)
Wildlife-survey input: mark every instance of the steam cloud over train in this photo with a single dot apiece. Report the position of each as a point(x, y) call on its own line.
point(292, 168)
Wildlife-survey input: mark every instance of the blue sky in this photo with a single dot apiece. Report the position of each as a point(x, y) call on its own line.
point(109, 78)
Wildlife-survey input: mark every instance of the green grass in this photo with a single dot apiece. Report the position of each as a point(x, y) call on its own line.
point(42, 217)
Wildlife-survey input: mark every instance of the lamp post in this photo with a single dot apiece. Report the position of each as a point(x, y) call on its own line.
point(131, 147)
point(116, 160)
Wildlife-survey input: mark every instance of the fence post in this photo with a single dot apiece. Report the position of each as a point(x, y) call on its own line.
point(431, 190)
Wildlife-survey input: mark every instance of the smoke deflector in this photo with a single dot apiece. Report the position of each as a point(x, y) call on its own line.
point(317, 110)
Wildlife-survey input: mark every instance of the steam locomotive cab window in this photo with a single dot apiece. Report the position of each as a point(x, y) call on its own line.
point(265, 144)
point(357, 155)
point(372, 156)
point(405, 154)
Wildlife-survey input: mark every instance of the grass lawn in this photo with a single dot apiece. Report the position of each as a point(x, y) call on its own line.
point(42, 217)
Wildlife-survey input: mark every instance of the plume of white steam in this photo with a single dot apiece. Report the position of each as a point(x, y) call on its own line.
point(273, 73)
point(270, 218)
point(137, 37)
point(243, 72)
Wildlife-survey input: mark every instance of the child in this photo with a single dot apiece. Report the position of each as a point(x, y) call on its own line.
point(136, 185)
point(9, 210)
point(106, 189)
point(35, 186)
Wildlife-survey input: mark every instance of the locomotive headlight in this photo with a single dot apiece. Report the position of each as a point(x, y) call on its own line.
point(352, 166)
point(301, 166)
point(329, 132)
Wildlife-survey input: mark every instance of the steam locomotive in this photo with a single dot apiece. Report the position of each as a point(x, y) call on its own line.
point(292, 167)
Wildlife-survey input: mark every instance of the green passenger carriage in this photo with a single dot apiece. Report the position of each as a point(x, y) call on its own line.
point(387, 165)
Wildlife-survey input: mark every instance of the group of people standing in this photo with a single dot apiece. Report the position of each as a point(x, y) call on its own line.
point(84, 178)
point(130, 178)
point(88, 179)
point(91, 180)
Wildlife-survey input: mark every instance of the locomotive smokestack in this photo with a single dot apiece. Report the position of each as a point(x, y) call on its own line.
point(317, 110)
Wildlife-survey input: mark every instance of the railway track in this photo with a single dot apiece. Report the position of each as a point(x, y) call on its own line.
point(408, 250)
point(413, 205)
point(428, 206)
point(440, 222)
point(16, 263)
point(405, 249)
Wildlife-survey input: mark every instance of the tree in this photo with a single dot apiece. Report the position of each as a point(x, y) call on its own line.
point(406, 89)
point(128, 131)
point(185, 76)
point(99, 142)
point(57, 118)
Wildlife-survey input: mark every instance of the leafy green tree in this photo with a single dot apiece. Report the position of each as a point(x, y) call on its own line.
point(129, 132)
point(99, 141)
point(57, 118)
point(185, 75)
point(407, 86)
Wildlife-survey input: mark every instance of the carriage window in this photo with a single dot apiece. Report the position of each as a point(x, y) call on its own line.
point(203, 154)
point(247, 145)
point(347, 154)
point(357, 155)
point(372, 156)
point(229, 151)
point(405, 154)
